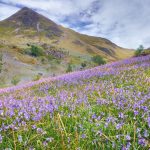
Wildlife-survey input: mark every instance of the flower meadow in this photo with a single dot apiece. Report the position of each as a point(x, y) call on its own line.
point(103, 108)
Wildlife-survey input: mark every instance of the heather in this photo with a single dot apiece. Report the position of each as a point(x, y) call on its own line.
point(106, 107)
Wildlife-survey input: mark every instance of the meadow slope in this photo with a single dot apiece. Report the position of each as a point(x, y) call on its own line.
point(107, 107)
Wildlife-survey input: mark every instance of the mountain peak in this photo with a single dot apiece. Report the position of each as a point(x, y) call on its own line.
point(26, 17)
point(26, 8)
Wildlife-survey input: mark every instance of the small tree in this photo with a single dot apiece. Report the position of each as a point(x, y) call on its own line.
point(15, 80)
point(69, 68)
point(98, 60)
point(36, 51)
point(139, 50)
point(83, 64)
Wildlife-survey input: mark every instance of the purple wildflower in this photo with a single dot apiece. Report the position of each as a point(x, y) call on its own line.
point(83, 136)
point(94, 116)
point(136, 112)
point(148, 120)
point(1, 138)
point(34, 127)
point(119, 126)
point(45, 143)
point(50, 139)
point(99, 132)
point(39, 130)
point(142, 142)
point(20, 138)
point(146, 134)
point(128, 145)
point(128, 138)
point(121, 115)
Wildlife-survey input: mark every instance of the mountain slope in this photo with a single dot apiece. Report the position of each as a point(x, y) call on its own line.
point(28, 23)
point(27, 27)
point(28, 19)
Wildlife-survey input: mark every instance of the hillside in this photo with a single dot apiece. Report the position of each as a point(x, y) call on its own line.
point(64, 46)
point(106, 107)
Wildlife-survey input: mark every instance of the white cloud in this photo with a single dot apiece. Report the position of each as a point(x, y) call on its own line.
point(124, 22)
point(6, 11)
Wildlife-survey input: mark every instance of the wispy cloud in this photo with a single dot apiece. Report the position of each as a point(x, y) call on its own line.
point(124, 22)
point(6, 10)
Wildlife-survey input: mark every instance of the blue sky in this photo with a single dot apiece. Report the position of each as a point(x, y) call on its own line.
point(124, 22)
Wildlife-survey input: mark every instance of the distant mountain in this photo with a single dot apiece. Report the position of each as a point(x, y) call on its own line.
point(27, 27)
point(27, 18)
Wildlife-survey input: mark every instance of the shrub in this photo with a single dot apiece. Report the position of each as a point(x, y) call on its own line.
point(145, 52)
point(58, 61)
point(28, 44)
point(83, 64)
point(139, 50)
point(15, 80)
point(43, 60)
point(98, 60)
point(50, 58)
point(37, 77)
point(36, 51)
point(69, 68)
point(27, 51)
